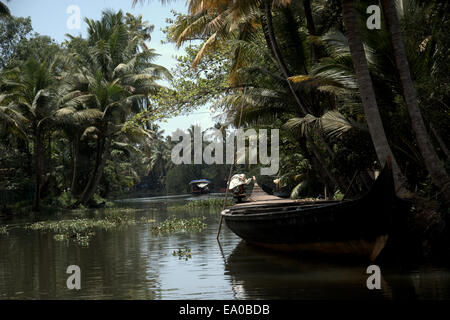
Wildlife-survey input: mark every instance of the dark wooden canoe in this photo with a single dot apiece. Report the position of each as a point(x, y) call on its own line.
point(358, 227)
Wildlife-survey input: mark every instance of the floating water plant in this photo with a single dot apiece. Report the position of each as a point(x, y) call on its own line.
point(183, 253)
point(81, 231)
point(210, 203)
point(146, 220)
point(4, 230)
point(174, 224)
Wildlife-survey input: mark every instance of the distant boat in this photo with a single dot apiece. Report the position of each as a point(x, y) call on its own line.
point(357, 227)
point(200, 186)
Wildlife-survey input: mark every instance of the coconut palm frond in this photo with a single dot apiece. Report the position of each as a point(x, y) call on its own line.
point(207, 46)
point(332, 123)
point(125, 147)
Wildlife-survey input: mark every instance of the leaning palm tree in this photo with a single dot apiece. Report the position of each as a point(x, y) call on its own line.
point(431, 159)
point(371, 111)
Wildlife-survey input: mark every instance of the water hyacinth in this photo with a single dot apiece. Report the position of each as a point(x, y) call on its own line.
point(209, 203)
point(78, 230)
point(174, 224)
point(81, 231)
point(4, 230)
point(183, 253)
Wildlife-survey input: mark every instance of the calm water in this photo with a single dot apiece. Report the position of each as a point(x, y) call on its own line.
point(131, 263)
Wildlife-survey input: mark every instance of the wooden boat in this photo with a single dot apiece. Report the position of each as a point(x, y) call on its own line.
point(283, 192)
point(357, 227)
point(200, 186)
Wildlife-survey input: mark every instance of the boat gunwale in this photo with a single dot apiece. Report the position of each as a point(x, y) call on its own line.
point(227, 213)
point(275, 207)
point(284, 203)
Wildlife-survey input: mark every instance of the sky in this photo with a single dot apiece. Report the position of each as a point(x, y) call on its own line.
point(56, 18)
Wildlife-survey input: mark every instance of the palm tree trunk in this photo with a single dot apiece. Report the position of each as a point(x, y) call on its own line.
point(100, 161)
point(432, 161)
point(440, 141)
point(311, 26)
point(309, 18)
point(273, 45)
point(75, 154)
point(367, 93)
point(38, 168)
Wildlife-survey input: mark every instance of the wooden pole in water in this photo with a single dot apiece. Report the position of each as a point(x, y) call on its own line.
point(231, 172)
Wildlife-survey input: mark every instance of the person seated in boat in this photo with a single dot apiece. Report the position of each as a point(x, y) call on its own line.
point(237, 185)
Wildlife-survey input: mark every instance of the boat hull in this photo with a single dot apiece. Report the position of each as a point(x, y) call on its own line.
point(359, 227)
point(363, 248)
point(327, 229)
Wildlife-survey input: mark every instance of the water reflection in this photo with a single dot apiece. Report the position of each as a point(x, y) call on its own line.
point(132, 263)
point(258, 274)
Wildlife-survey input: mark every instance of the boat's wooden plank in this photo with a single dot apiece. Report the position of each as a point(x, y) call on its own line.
point(284, 203)
point(275, 209)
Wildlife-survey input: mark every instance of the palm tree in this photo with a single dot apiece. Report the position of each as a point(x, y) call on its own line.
point(31, 101)
point(367, 92)
point(119, 75)
point(431, 159)
point(74, 118)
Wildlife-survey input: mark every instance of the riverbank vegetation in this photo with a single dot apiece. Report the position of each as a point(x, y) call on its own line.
point(66, 109)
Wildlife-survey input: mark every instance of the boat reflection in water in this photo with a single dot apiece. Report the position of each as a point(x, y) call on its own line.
point(256, 273)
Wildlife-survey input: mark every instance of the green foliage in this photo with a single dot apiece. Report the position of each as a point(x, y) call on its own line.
point(40, 48)
point(174, 224)
point(62, 201)
point(81, 231)
point(13, 30)
point(106, 87)
point(75, 97)
point(210, 203)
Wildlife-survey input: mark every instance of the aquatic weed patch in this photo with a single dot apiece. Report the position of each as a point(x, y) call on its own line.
point(209, 203)
point(120, 216)
point(78, 230)
point(4, 230)
point(183, 253)
point(81, 231)
point(174, 224)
